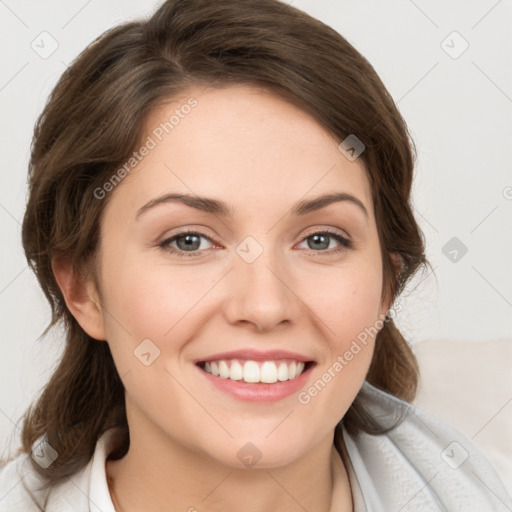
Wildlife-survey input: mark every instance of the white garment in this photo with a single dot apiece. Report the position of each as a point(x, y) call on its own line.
point(422, 465)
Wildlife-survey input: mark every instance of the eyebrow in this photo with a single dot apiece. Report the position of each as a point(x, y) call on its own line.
point(221, 209)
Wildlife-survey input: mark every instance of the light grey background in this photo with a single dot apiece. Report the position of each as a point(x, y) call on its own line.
point(459, 114)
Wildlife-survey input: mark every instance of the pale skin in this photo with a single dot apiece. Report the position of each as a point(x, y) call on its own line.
point(260, 155)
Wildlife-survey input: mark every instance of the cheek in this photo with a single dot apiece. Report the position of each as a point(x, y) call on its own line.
point(358, 309)
point(347, 300)
point(351, 319)
point(151, 299)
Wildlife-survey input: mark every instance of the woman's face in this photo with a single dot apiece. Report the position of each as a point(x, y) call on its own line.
point(248, 274)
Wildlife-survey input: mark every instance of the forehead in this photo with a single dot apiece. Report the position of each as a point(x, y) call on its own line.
point(243, 144)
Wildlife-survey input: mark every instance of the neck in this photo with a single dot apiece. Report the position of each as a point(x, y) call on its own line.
point(159, 474)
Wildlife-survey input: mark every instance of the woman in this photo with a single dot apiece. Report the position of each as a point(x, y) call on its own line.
point(219, 216)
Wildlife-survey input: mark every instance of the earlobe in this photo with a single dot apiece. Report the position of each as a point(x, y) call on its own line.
point(81, 297)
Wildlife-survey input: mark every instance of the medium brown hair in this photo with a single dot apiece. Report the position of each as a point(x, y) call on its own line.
point(94, 120)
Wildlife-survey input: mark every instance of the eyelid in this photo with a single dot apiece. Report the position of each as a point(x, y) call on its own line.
point(326, 229)
point(189, 232)
point(199, 230)
point(343, 239)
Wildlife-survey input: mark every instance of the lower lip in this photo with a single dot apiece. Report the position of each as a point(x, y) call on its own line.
point(259, 391)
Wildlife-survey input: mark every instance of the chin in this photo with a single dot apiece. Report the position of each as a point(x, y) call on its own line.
point(258, 452)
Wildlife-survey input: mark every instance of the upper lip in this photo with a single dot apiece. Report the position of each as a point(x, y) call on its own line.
point(256, 355)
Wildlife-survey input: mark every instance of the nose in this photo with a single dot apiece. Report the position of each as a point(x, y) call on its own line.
point(261, 294)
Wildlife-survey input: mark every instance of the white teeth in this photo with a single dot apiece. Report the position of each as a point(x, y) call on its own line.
point(223, 370)
point(251, 371)
point(282, 372)
point(236, 372)
point(268, 372)
point(292, 370)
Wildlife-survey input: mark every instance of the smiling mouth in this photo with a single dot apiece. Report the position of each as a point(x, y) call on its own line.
point(266, 372)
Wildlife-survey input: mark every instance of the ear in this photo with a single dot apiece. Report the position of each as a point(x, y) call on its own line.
point(81, 296)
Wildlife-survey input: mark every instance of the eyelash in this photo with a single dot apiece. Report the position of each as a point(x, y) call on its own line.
point(345, 244)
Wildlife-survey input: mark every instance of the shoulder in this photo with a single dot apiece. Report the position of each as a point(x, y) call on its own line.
point(420, 464)
point(22, 488)
point(13, 495)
